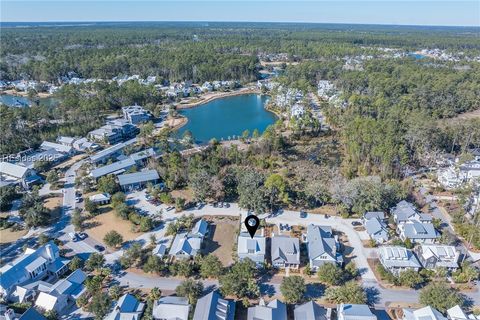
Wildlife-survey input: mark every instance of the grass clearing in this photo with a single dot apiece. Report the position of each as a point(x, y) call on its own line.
point(97, 227)
point(222, 238)
point(9, 235)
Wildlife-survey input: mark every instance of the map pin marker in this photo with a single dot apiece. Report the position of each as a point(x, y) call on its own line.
point(252, 223)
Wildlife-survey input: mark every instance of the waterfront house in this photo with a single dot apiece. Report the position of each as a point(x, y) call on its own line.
point(397, 259)
point(434, 256)
point(285, 252)
point(252, 248)
point(126, 308)
point(422, 314)
point(136, 114)
point(213, 307)
point(138, 180)
point(33, 265)
point(171, 308)
point(354, 312)
point(376, 227)
point(322, 246)
point(274, 310)
point(312, 311)
point(61, 294)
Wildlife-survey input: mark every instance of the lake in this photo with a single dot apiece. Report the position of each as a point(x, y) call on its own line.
point(19, 101)
point(227, 117)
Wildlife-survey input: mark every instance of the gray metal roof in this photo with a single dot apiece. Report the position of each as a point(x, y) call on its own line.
point(310, 311)
point(398, 257)
point(137, 177)
point(286, 249)
point(111, 150)
point(275, 310)
point(355, 312)
point(111, 168)
point(418, 230)
point(213, 307)
point(320, 241)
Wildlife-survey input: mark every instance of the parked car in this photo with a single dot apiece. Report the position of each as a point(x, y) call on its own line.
point(326, 216)
point(220, 204)
point(170, 208)
point(281, 227)
point(78, 199)
point(356, 223)
point(99, 247)
point(82, 235)
point(226, 205)
point(303, 214)
point(73, 236)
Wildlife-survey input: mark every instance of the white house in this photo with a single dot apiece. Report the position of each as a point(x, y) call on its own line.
point(33, 265)
point(423, 313)
point(354, 312)
point(126, 308)
point(171, 308)
point(11, 174)
point(397, 259)
point(274, 310)
point(252, 248)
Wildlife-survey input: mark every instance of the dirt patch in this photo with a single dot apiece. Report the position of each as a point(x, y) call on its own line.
point(222, 237)
point(70, 161)
point(9, 235)
point(98, 226)
point(326, 209)
point(186, 194)
point(55, 205)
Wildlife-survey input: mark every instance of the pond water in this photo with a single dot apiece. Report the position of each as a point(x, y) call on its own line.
point(228, 117)
point(20, 102)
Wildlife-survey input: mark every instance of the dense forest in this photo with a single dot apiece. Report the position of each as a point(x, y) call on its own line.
point(396, 106)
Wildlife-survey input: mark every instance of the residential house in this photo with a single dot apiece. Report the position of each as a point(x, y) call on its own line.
point(171, 308)
point(114, 131)
point(397, 259)
point(412, 224)
point(213, 307)
point(61, 294)
point(126, 308)
point(83, 145)
point(456, 313)
point(200, 228)
point(354, 312)
point(33, 265)
point(322, 247)
point(312, 311)
point(100, 198)
point(66, 141)
point(285, 252)
point(137, 180)
point(136, 114)
point(113, 168)
point(434, 256)
point(422, 314)
point(11, 174)
point(252, 248)
point(376, 226)
point(141, 157)
point(112, 152)
point(50, 155)
point(159, 250)
point(274, 310)
point(186, 245)
point(30, 314)
point(67, 150)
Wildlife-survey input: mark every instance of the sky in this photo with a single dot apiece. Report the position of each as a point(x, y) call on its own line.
point(397, 12)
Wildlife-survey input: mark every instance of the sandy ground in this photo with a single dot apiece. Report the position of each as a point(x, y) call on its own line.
point(8, 235)
point(97, 227)
point(71, 161)
point(55, 204)
point(210, 96)
point(465, 116)
point(222, 238)
point(186, 194)
point(176, 123)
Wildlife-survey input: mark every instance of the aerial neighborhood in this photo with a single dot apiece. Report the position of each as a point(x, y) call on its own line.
point(129, 173)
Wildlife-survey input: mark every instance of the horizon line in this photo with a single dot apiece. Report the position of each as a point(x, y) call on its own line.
point(246, 21)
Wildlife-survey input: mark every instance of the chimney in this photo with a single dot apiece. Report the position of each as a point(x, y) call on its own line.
point(50, 251)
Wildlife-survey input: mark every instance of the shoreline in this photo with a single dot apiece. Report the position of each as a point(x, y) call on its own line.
point(218, 95)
